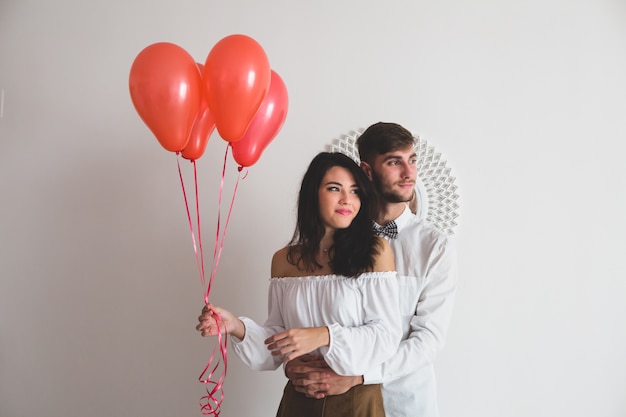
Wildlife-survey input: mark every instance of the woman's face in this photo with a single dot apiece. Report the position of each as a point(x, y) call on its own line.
point(339, 201)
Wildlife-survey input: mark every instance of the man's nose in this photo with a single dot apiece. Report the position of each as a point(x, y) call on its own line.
point(408, 170)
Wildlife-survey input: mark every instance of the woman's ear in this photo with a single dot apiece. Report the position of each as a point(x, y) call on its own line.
point(367, 169)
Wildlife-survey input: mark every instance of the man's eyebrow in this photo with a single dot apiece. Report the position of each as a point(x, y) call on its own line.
point(390, 157)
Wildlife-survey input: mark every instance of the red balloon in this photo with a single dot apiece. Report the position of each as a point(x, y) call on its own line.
point(265, 126)
point(236, 79)
point(165, 87)
point(201, 131)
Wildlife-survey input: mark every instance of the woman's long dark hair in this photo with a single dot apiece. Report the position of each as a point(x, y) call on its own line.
point(354, 247)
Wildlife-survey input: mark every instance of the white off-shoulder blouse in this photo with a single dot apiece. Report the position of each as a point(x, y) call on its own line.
point(362, 315)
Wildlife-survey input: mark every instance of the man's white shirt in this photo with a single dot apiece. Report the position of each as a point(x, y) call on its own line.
point(426, 262)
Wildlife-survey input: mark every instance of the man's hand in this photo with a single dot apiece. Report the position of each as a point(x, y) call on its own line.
point(311, 376)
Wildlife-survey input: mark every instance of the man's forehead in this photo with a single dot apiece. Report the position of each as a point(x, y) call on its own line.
point(398, 154)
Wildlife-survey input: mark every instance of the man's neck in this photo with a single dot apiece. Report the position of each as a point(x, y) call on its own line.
point(389, 212)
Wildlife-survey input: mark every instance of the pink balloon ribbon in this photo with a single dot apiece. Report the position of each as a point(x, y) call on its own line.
point(211, 403)
point(219, 244)
point(199, 254)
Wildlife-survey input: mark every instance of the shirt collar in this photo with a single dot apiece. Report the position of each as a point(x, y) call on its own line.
point(405, 218)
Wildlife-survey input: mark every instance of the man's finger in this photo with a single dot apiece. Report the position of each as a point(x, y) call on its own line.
point(309, 358)
point(319, 363)
point(312, 390)
point(309, 367)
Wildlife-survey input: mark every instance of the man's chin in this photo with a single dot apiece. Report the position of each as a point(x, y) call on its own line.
point(398, 199)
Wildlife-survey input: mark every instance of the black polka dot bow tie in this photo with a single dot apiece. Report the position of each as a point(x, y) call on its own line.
point(390, 230)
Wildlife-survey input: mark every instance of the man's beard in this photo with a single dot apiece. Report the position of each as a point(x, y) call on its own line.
point(386, 193)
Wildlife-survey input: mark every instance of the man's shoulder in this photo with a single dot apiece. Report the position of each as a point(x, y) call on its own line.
point(420, 246)
point(423, 230)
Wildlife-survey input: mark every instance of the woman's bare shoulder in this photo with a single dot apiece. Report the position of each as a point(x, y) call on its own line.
point(281, 253)
point(281, 267)
point(384, 260)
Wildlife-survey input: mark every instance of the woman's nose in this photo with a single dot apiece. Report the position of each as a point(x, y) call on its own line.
point(345, 198)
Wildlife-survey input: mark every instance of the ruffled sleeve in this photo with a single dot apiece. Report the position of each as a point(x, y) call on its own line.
point(252, 349)
point(354, 350)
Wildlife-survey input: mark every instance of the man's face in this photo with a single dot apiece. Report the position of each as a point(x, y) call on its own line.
point(394, 174)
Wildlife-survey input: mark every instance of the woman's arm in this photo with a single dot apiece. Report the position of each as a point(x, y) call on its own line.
point(293, 343)
point(354, 350)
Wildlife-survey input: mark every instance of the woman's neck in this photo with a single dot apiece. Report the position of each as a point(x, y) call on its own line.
point(327, 241)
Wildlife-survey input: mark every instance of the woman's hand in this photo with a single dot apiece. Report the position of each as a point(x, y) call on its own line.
point(215, 320)
point(296, 342)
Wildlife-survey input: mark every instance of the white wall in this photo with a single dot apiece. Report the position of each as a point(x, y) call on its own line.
point(99, 290)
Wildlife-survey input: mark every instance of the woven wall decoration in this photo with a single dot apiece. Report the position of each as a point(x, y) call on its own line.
point(436, 192)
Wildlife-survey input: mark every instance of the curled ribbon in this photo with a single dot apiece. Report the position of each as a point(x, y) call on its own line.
point(211, 403)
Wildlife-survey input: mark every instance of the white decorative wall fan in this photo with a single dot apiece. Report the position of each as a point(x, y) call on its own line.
point(435, 189)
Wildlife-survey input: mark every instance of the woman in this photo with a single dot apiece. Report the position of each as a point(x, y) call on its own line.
point(333, 292)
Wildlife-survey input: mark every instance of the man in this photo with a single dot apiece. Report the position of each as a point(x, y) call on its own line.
point(426, 265)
